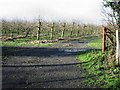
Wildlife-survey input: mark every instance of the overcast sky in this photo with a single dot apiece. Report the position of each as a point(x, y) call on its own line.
point(85, 11)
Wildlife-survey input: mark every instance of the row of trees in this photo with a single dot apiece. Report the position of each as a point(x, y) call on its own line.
point(16, 28)
point(46, 30)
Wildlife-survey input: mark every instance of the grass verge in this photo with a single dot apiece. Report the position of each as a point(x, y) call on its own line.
point(24, 42)
point(99, 73)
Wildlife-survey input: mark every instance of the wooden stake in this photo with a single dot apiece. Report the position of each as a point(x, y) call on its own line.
point(117, 47)
point(104, 39)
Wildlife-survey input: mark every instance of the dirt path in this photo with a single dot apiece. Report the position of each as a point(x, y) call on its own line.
point(57, 66)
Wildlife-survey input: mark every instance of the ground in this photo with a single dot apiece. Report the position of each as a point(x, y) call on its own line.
point(43, 67)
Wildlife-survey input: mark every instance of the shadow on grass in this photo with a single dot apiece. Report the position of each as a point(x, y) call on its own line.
point(87, 52)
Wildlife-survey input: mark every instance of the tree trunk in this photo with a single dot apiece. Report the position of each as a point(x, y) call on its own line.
point(62, 35)
point(39, 30)
point(38, 34)
point(71, 32)
point(63, 31)
point(52, 29)
point(78, 32)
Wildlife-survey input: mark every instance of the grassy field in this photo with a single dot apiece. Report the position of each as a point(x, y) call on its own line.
point(99, 72)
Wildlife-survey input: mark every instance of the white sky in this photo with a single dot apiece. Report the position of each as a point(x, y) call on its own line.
point(85, 11)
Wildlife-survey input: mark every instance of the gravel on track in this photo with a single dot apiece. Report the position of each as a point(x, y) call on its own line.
point(57, 68)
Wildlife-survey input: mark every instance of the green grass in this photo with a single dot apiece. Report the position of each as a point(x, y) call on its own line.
point(104, 75)
point(96, 43)
point(89, 57)
point(11, 43)
point(24, 42)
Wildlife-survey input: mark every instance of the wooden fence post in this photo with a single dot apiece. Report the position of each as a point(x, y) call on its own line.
point(104, 39)
point(117, 47)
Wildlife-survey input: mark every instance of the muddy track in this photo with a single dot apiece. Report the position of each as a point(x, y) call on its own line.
point(38, 67)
